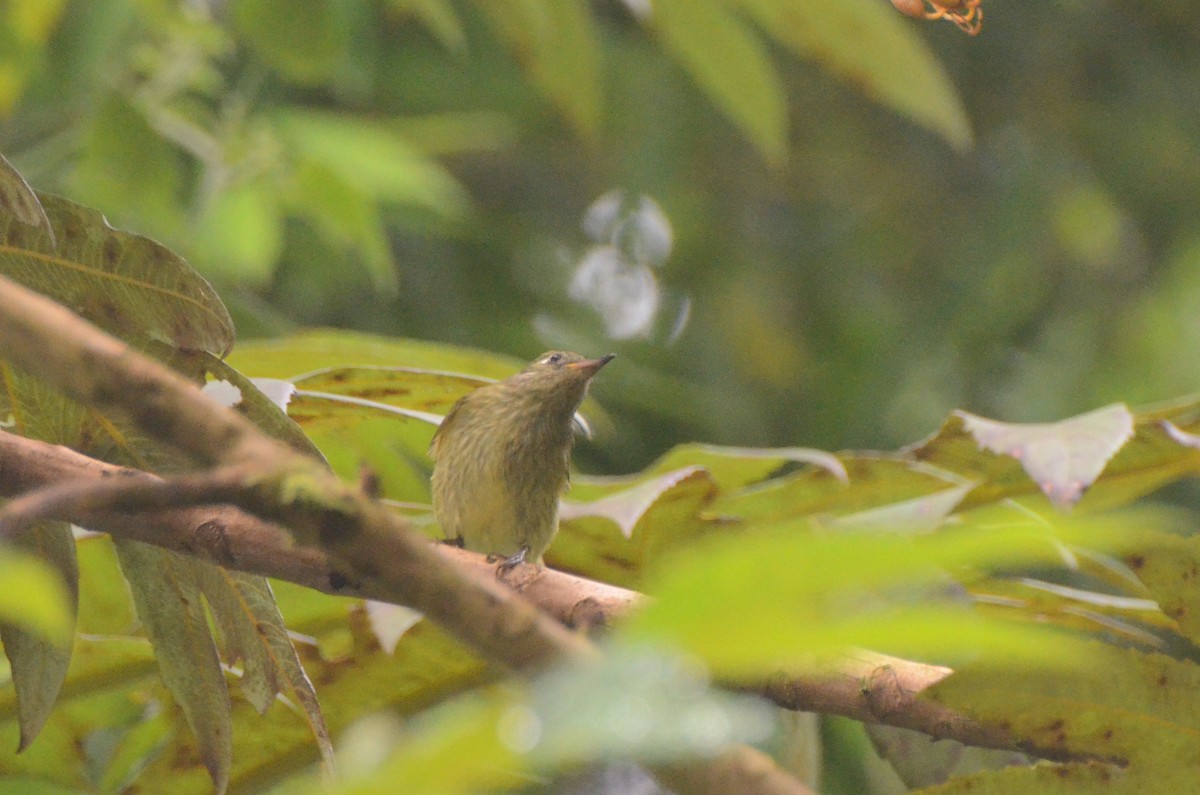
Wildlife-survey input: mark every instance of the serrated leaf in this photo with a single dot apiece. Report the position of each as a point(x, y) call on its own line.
point(358, 679)
point(1063, 458)
point(869, 46)
point(38, 659)
point(628, 507)
point(18, 199)
point(729, 63)
point(665, 513)
point(128, 285)
point(165, 591)
point(253, 628)
point(557, 43)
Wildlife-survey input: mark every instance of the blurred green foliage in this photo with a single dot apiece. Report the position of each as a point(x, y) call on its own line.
point(838, 276)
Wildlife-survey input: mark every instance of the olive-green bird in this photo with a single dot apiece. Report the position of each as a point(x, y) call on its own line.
point(502, 458)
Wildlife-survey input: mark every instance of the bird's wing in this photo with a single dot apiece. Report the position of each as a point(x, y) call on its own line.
point(435, 444)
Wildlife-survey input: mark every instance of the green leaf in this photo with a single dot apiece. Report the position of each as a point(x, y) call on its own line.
point(374, 159)
point(455, 750)
point(34, 597)
point(321, 349)
point(429, 393)
point(240, 235)
point(37, 632)
point(730, 65)
point(438, 16)
point(1167, 565)
point(257, 407)
point(1080, 778)
point(872, 48)
point(17, 198)
point(305, 40)
point(872, 481)
point(557, 42)
point(660, 514)
point(917, 515)
point(127, 284)
point(815, 594)
point(346, 216)
point(1126, 706)
point(165, 590)
point(1063, 458)
point(124, 162)
point(244, 607)
point(356, 679)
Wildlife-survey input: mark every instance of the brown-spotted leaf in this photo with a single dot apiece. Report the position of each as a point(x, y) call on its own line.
point(430, 392)
point(19, 200)
point(254, 632)
point(39, 666)
point(1137, 708)
point(322, 349)
point(309, 353)
point(1169, 566)
point(168, 600)
point(1062, 458)
point(127, 284)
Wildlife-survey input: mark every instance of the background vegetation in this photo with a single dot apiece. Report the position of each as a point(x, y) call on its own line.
point(816, 224)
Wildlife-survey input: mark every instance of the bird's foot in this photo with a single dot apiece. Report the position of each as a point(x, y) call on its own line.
point(457, 541)
point(511, 562)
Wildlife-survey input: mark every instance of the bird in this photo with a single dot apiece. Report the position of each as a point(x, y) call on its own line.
point(502, 458)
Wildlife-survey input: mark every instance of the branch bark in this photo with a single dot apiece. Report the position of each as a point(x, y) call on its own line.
point(866, 686)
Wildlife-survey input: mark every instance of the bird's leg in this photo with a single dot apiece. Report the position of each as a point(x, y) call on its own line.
point(457, 541)
point(511, 562)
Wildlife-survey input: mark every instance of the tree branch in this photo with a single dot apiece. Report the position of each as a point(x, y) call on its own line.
point(866, 686)
point(93, 368)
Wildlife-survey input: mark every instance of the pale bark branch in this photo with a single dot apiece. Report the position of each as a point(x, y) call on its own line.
point(866, 686)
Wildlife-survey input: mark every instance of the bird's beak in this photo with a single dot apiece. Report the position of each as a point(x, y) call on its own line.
point(592, 366)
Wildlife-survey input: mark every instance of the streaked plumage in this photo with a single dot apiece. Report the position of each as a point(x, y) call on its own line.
point(502, 456)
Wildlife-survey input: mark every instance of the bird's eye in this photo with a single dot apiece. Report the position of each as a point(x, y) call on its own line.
point(554, 358)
